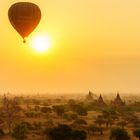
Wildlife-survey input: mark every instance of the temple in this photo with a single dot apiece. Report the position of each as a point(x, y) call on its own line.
point(90, 96)
point(118, 101)
point(100, 101)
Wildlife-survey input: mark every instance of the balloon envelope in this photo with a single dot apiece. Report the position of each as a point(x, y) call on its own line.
point(24, 17)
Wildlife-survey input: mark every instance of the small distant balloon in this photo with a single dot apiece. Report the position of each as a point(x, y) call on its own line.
point(24, 17)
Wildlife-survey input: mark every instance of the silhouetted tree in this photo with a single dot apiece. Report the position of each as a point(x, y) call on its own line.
point(28, 125)
point(70, 116)
point(65, 132)
point(71, 102)
point(36, 102)
point(80, 110)
point(19, 131)
point(136, 122)
point(59, 109)
point(32, 114)
point(10, 111)
point(79, 135)
point(119, 134)
point(109, 115)
point(136, 133)
point(49, 126)
point(36, 108)
point(37, 125)
point(100, 121)
point(46, 109)
point(92, 129)
point(1, 133)
point(61, 132)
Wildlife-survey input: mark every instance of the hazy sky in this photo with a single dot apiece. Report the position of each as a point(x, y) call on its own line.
point(95, 45)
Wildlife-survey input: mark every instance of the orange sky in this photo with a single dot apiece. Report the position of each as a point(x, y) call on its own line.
point(94, 45)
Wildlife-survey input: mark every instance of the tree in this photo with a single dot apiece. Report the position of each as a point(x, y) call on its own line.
point(70, 116)
point(37, 125)
point(100, 121)
point(59, 109)
point(45, 109)
point(19, 131)
point(136, 122)
point(36, 102)
point(65, 132)
point(79, 135)
point(92, 128)
point(10, 111)
point(109, 115)
point(136, 133)
point(36, 108)
point(1, 133)
point(71, 102)
point(80, 110)
point(49, 124)
point(28, 125)
point(61, 132)
point(27, 102)
point(119, 134)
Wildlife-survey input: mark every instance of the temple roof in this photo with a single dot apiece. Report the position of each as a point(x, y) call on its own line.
point(100, 101)
point(90, 96)
point(118, 100)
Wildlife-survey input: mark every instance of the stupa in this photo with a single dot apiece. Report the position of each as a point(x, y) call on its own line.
point(90, 96)
point(100, 101)
point(118, 101)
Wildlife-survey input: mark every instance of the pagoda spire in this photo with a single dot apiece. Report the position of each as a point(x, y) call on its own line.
point(90, 96)
point(118, 101)
point(100, 101)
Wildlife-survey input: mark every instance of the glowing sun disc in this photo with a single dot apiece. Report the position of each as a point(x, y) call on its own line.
point(40, 43)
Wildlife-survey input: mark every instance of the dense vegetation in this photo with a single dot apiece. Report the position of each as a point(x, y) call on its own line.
point(56, 119)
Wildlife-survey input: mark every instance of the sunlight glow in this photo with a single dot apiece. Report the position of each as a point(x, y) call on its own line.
point(40, 43)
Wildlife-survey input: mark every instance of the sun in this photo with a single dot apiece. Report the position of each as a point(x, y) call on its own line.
point(40, 43)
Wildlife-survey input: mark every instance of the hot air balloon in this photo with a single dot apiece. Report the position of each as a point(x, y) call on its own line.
point(24, 17)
